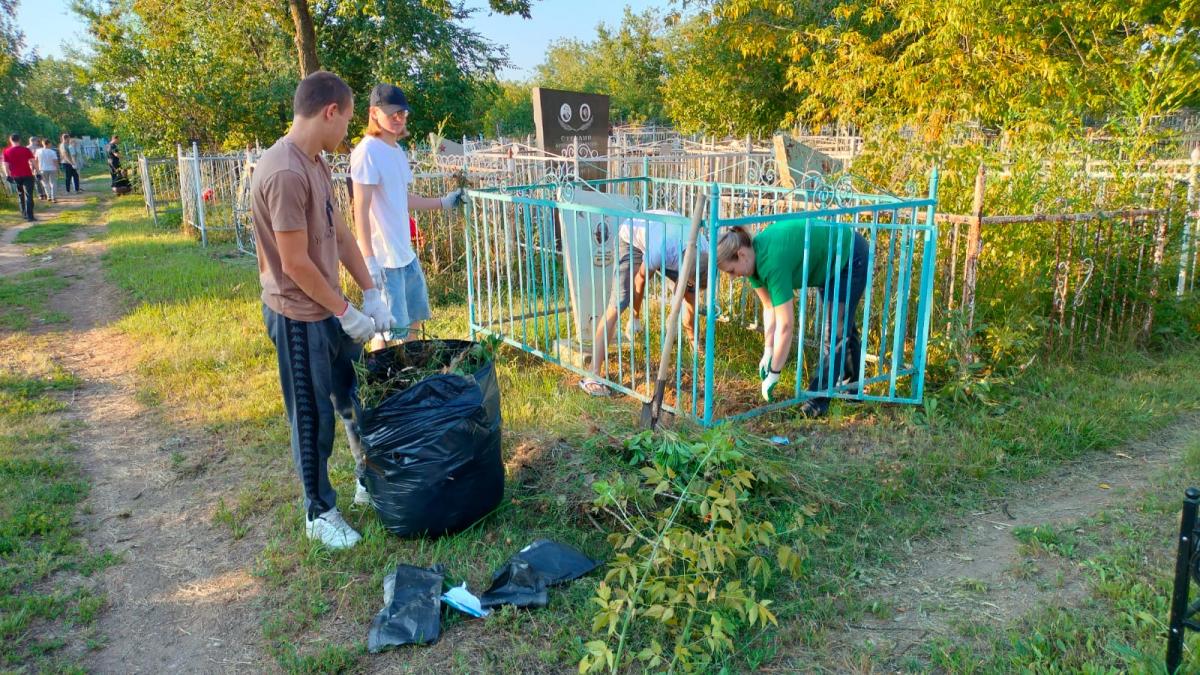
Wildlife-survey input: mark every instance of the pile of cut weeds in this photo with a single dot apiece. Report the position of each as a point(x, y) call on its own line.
point(394, 369)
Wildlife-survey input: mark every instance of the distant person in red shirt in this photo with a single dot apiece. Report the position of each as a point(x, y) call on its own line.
point(20, 163)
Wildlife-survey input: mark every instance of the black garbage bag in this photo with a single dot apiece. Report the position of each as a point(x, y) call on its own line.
point(523, 580)
point(412, 609)
point(433, 462)
point(120, 181)
point(517, 584)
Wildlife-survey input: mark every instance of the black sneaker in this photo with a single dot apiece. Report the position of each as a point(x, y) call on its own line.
point(812, 409)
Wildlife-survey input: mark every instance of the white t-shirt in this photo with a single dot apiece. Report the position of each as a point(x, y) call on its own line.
point(374, 162)
point(47, 159)
point(661, 243)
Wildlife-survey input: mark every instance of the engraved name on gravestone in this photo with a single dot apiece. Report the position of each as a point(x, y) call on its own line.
point(562, 116)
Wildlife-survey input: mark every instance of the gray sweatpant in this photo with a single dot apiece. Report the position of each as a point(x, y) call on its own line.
point(316, 374)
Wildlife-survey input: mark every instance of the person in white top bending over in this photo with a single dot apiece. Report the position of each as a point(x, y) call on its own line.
point(645, 245)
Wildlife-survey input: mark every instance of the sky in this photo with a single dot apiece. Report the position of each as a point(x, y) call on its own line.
point(49, 24)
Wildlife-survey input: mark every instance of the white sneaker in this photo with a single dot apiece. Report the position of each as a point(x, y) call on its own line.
point(361, 496)
point(330, 529)
point(633, 328)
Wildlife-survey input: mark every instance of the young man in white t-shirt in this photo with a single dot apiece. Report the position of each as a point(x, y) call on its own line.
point(382, 201)
point(47, 160)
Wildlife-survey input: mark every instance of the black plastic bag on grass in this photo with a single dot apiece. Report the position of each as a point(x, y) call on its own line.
point(523, 580)
point(412, 609)
point(433, 462)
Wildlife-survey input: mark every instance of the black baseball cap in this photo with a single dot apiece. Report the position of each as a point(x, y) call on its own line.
point(389, 97)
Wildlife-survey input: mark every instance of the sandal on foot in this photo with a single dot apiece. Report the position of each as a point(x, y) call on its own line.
point(594, 387)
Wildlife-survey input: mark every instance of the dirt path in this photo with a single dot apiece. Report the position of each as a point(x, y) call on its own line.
point(976, 571)
point(183, 598)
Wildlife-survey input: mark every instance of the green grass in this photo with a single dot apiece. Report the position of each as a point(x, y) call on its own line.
point(46, 599)
point(879, 477)
point(886, 484)
point(46, 235)
point(24, 298)
point(1126, 556)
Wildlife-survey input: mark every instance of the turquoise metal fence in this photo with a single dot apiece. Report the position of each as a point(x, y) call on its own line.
point(541, 261)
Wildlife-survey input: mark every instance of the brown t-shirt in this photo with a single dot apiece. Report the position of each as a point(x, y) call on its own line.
point(292, 191)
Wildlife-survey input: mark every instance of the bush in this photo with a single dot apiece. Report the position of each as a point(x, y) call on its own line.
point(694, 555)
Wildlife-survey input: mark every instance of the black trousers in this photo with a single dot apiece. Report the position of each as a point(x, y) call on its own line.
point(70, 174)
point(316, 373)
point(840, 340)
point(26, 195)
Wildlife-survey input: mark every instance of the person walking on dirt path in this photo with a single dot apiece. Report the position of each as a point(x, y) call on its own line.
point(67, 158)
point(35, 144)
point(79, 152)
point(645, 246)
point(793, 255)
point(47, 161)
point(382, 180)
point(21, 166)
point(301, 238)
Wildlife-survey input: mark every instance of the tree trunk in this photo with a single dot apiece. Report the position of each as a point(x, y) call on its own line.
point(305, 37)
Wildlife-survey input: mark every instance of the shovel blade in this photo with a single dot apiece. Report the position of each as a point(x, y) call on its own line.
point(652, 409)
point(647, 419)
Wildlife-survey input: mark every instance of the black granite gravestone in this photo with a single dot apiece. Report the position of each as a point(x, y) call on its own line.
point(563, 116)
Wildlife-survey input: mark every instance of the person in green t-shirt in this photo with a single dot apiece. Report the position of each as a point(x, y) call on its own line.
point(776, 265)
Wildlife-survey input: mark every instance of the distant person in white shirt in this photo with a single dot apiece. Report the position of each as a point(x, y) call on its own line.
point(35, 144)
point(382, 177)
point(645, 246)
point(47, 161)
point(68, 157)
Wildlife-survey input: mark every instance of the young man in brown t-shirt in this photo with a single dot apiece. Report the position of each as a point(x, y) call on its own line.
point(318, 334)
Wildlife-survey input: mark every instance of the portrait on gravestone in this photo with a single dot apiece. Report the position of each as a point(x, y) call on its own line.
point(564, 117)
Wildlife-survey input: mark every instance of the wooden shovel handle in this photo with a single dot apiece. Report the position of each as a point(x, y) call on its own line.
point(685, 273)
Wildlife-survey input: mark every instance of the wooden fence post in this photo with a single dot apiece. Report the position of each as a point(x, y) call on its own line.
point(1191, 219)
point(971, 264)
point(1160, 249)
point(147, 187)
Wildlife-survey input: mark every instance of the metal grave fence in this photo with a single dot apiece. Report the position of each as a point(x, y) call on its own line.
point(541, 261)
point(158, 178)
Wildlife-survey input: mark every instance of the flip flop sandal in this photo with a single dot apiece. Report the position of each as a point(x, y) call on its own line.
point(594, 388)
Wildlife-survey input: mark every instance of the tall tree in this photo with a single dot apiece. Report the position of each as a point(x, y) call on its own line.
point(998, 63)
point(222, 71)
point(305, 33)
point(54, 91)
point(42, 96)
point(305, 37)
point(510, 112)
point(712, 87)
point(13, 71)
point(626, 62)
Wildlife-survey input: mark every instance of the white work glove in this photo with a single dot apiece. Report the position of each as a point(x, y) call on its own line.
point(452, 199)
point(377, 309)
point(633, 328)
point(764, 364)
point(375, 270)
point(768, 385)
point(357, 325)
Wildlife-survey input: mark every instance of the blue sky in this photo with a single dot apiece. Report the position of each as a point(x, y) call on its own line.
point(48, 24)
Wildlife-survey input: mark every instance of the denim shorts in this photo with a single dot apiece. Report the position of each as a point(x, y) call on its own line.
point(627, 267)
point(406, 294)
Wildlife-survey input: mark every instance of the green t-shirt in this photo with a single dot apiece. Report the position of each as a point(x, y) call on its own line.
point(779, 257)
